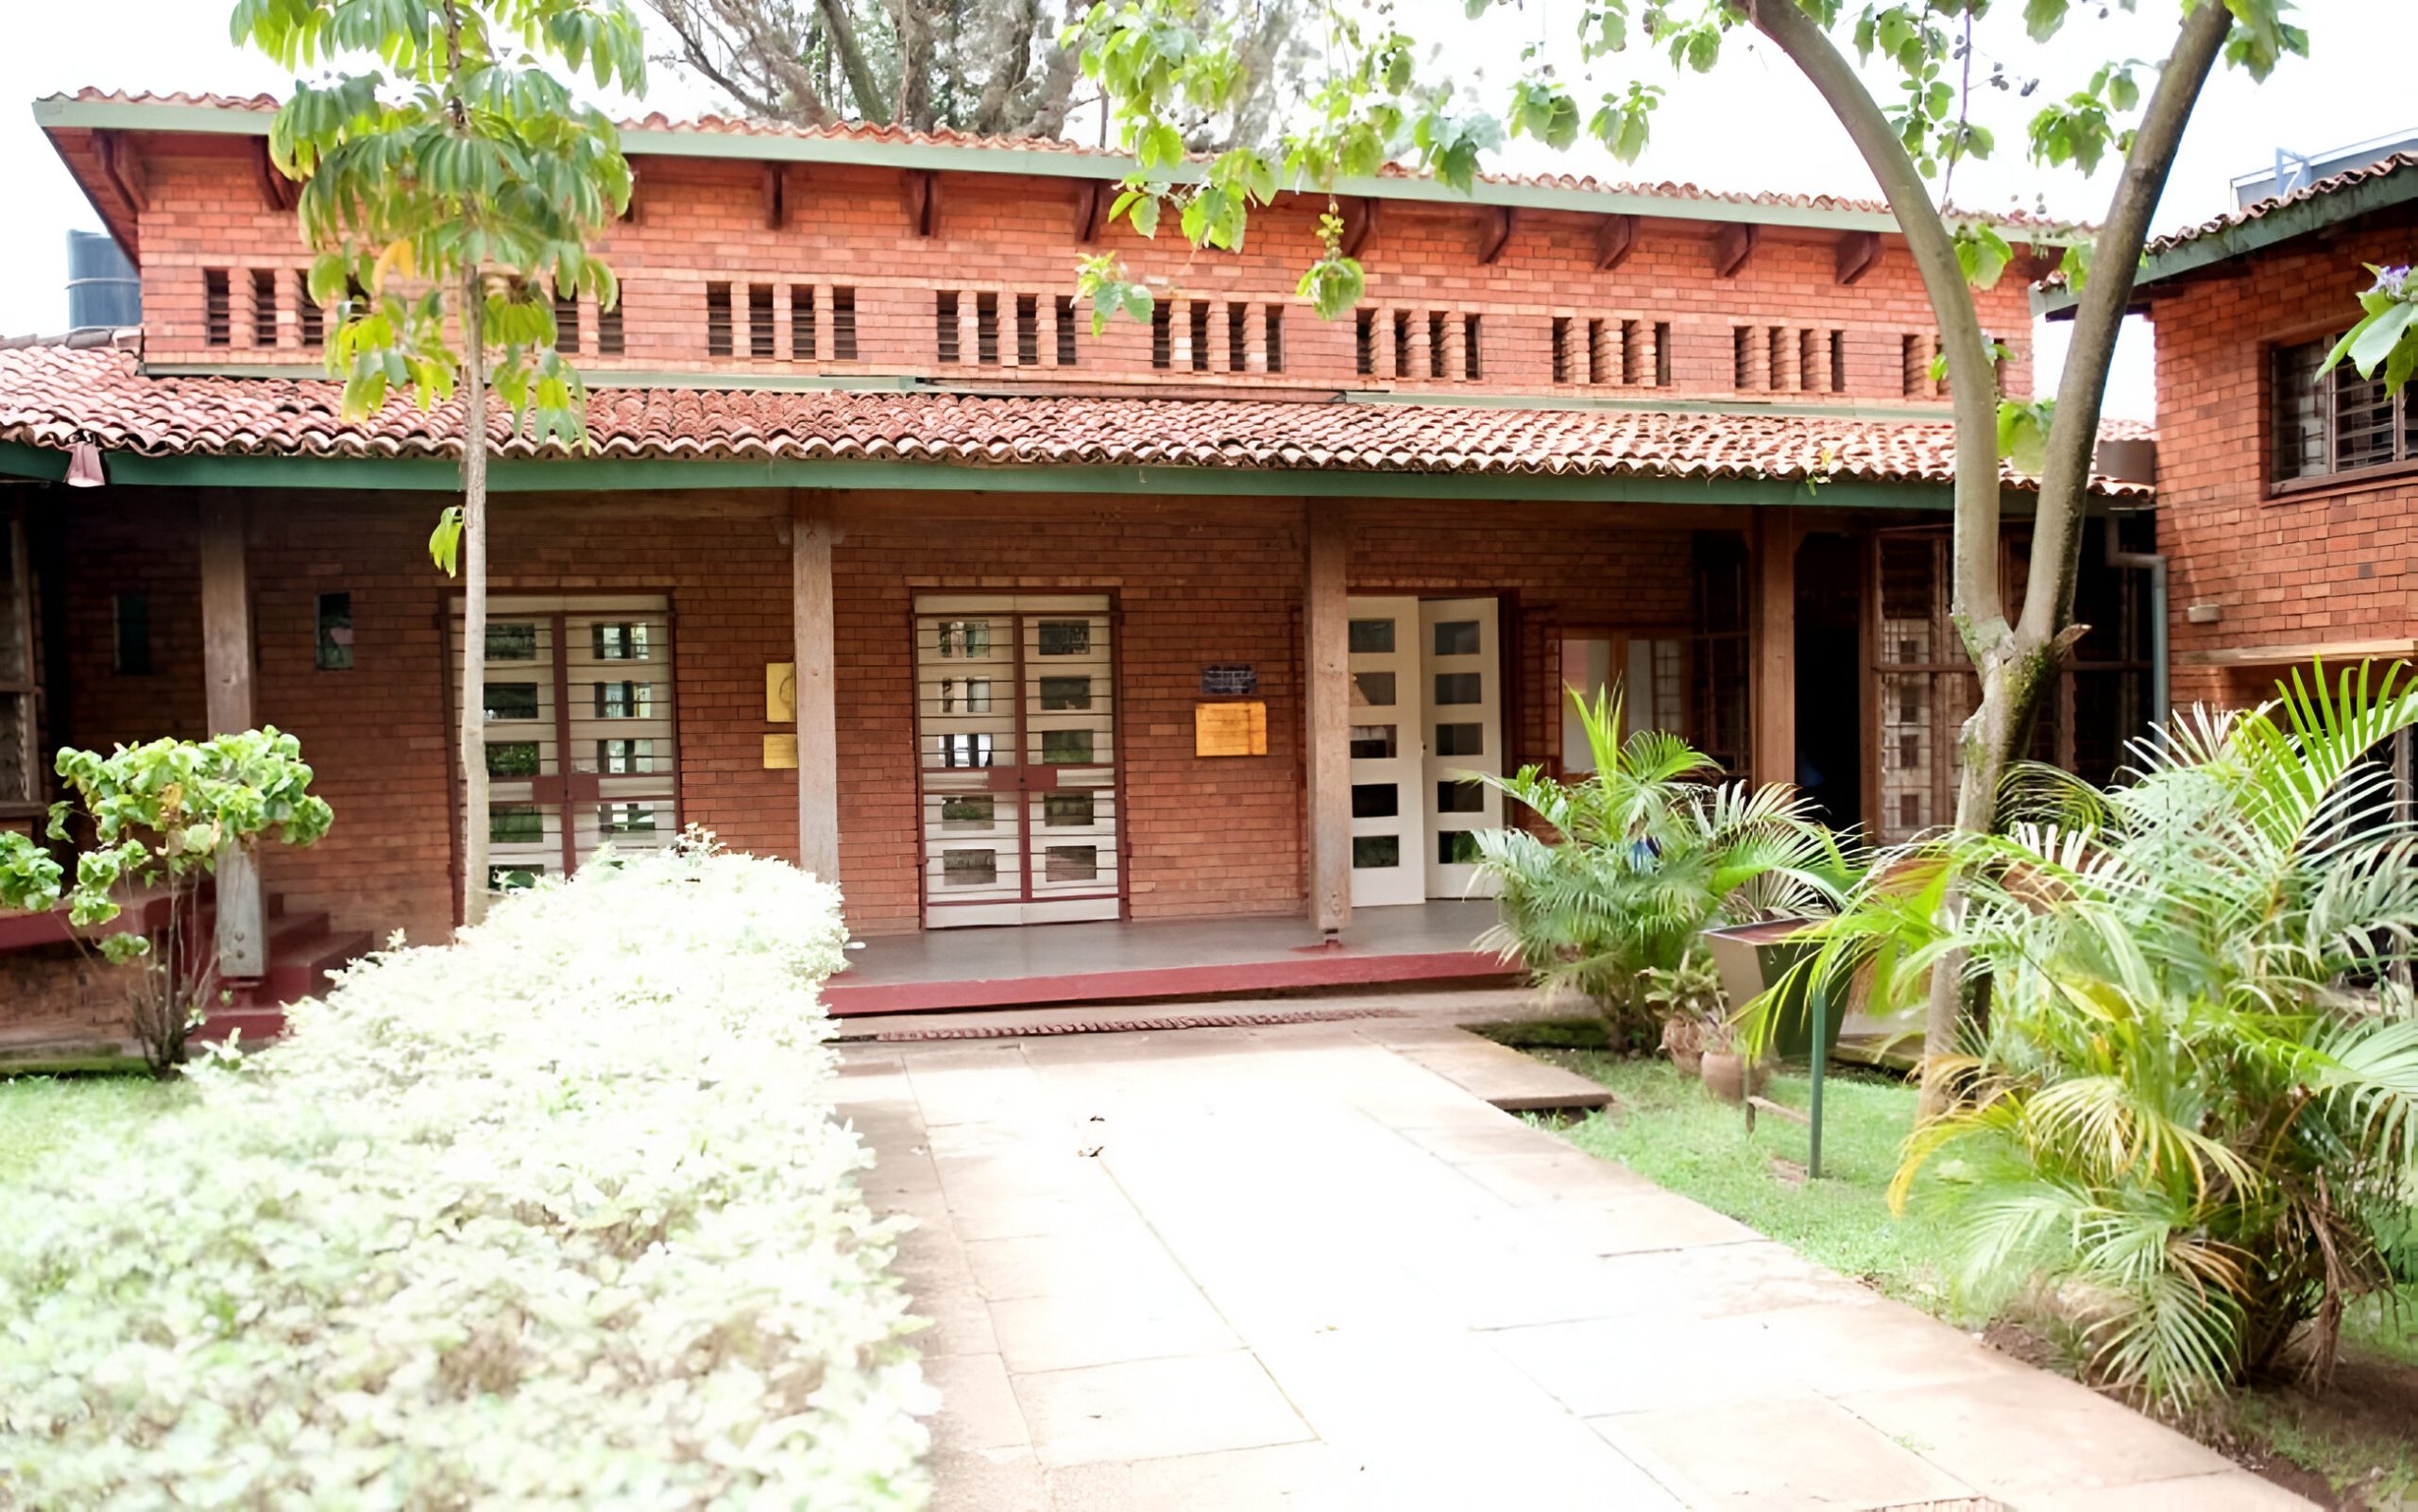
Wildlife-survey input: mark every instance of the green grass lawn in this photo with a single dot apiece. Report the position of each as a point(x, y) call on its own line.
point(37, 1112)
point(1663, 1126)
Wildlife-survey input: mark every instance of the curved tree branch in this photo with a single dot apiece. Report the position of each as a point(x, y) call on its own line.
point(1972, 381)
point(2098, 318)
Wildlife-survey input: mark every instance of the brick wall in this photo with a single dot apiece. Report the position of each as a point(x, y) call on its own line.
point(1195, 581)
point(700, 221)
point(2328, 564)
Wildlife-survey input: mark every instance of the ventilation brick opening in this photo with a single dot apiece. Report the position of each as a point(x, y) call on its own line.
point(718, 320)
point(264, 307)
point(945, 347)
point(1162, 334)
point(1029, 331)
point(217, 314)
point(311, 320)
point(986, 329)
point(1065, 330)
point(804, 347)
point(567, 321)
point(1472, 348)
point(760, 321)
point(1561, 365)
point(1275, 325)
point(610, 341)
point(1364, 342)
point(843, 324)
point(1196, 328)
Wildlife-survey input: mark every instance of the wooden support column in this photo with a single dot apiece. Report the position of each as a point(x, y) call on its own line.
point(1775, 679)
point(227, 671)
point(1328, 658)
point(811, 535)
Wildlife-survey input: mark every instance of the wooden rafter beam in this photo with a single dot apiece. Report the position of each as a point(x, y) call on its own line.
point(1732, 246)
point(1359, 224)
point(775, 196)
point(1859, 253)
point(1496, 236)
point(1092, 200)
point(1616, 239)
point(922, 201)
point(278, 192)
point(123, 166)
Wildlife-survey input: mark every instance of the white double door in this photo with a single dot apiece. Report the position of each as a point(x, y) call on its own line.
point(1427, 717)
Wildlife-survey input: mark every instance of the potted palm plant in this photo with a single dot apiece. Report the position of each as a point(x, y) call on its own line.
point(1635, 860)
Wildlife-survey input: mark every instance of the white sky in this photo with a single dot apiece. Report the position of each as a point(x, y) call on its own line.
point(1753, 124)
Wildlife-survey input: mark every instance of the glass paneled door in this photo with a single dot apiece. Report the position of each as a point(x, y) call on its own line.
point(580, 731)
point(1017, 750)
point(1389, 835)
point(1459, 639)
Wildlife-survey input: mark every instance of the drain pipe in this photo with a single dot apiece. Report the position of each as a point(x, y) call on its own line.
point(2153, 563)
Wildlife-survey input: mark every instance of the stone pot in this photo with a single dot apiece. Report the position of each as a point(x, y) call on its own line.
point(1691, 1063)
point(1729, 1076)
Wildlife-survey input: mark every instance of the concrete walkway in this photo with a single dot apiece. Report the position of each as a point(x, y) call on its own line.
point(1305, 1267)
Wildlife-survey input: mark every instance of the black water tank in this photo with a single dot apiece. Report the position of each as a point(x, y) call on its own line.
point(103, 289)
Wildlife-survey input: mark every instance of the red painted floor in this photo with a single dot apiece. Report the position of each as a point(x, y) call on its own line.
point(1123, 962)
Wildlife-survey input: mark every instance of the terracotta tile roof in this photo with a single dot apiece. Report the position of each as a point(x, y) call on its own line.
point(48, 393)
point(877, 132)
point(2258, 210)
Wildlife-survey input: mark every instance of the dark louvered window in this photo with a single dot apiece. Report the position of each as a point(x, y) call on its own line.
point(1065, 330)
point(264, 307)
point(2336, 421)
point(718, 320)
point(1275, 314)
point(944, 342)
point(1199, 330)
point(217, 314)
point(760, 321)
point(843, 324)
point(1028, 330)
point(567, 321)
point(986, 329)
point(1562, 348)
point(1364, 342)
point(312, 320)
point(802, 334)
point(608, 326)
point(1237, 338)
point(1162, 334)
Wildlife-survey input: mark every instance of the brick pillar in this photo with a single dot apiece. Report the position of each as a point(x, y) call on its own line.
point(969, 334)
point(1774, 682)
point(1255, 338)
point(783, 350)
point(811, 537)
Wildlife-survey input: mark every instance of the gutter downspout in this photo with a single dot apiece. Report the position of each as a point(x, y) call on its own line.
point(2152, 563)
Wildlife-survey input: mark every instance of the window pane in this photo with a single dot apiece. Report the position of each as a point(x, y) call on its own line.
point(624, 700)
point(965, 637)
point(1063, 693)
point(2363, 426)
point(512, 879)
point(970, 868)
point(511, 701)
point(512, 758)
point(1065, 638)
point(132, 612)
point(632, 819)
point(1459, 798)
point(1373, 743)
point(1456, 847)
point(1460, 740)
point(335, 632)
point(1373, 851)
point(1456, 637)
point(1373, 637)
point(970, 810)
point(1071, 863)
point(1375, 800)
point(1066, 747)
point(1069, 810)
point(516, 824)
point(2300, 411)
point(621, 642)
point(513, 640)
point(964, 750)
point(623, 758)
point(1373, 690)
point(1460, 688)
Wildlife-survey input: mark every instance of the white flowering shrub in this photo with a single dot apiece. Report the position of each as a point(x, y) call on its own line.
point(557, 1216)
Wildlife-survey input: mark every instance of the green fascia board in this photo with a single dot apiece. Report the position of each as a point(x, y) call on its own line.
point(1936, 414)
point(594, 475)
point(58, 111)
point(2283, 224)
point(779, 383)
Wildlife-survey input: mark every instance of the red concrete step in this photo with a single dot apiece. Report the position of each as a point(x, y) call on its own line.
point(302, 956)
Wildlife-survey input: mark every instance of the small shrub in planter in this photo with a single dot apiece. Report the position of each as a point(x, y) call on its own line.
point(556, 1217)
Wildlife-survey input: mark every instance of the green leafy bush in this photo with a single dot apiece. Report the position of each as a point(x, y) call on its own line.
point(161, 815)
point(2191, 1122)
point(1647, 853)
point(558, 1215)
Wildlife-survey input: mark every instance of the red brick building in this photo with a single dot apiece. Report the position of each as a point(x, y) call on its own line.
point(2286, 501)
point(1195, 618)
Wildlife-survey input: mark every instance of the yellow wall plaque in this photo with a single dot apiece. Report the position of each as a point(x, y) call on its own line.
point(1230, 729)
point(780, 751)
point(780, 693)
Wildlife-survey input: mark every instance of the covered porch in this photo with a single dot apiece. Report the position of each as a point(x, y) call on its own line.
point(1125, 960)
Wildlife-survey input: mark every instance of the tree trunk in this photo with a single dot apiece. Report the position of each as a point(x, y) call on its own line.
point(474, 599)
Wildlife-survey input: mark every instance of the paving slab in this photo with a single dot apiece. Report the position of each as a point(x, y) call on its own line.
point(1314, 1266)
